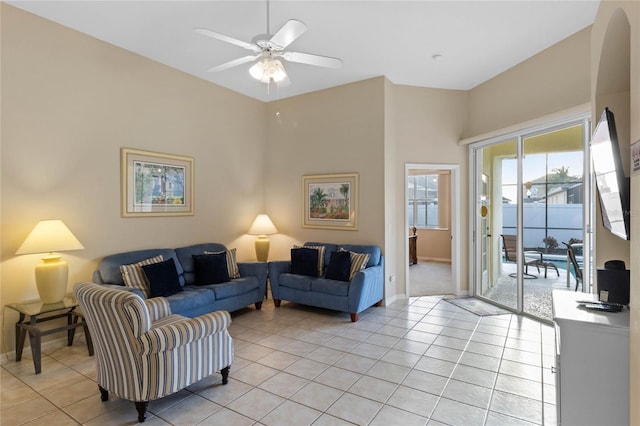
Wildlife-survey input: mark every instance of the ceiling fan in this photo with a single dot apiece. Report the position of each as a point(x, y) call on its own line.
point(268, 50)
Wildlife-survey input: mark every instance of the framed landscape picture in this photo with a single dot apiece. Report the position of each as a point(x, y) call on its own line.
point(330, 201)
point(155, 184)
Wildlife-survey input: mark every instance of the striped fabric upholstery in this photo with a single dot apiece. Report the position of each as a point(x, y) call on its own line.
point(358, 262)
point(143, 352)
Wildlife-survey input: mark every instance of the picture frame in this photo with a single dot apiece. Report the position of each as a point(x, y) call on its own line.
point(155, 184)
point(635, 157)
point(330, 201)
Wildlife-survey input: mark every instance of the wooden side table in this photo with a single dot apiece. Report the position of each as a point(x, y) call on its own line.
point(38, 313)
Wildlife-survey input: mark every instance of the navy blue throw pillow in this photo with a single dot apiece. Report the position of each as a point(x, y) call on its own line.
point(163, 278)
point(210, 268)
point(339, 266)
point(304, 261)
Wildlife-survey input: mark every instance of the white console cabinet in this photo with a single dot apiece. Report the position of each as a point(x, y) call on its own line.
point(592, 362)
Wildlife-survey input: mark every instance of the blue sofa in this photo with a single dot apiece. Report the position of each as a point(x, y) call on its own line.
point(194, 300)
point(365, 289)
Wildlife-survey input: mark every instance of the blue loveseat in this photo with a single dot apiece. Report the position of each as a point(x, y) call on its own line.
point(365, 289)
point(194, 300)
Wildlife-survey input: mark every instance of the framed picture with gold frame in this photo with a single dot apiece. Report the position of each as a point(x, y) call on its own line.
point(155, 184)
point(330, 201)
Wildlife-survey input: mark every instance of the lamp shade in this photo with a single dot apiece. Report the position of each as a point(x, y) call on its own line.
point(262, 226)
point(51, 275)
point(49, 236)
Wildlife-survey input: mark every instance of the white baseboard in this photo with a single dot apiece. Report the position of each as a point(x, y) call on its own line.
point(434, 259)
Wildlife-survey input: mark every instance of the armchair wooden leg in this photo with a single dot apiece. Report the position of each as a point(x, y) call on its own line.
point(276, 302)
point(104, 394)
point(379, 303)
point(225, 375)
point(258, 305)
point(354, 317)
point(141, 407)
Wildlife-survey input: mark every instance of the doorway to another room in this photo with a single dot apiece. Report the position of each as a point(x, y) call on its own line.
point(430, 222)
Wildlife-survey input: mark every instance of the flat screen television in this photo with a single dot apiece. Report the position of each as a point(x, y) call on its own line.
point(613, 185)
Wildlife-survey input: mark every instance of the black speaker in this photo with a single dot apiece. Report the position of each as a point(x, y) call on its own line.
point(613, 285)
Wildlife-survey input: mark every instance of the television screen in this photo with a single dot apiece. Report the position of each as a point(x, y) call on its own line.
point(613, 186)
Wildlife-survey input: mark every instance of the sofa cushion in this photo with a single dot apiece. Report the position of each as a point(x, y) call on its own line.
point(185, 258)
point(333, 287)
point(163, 278)
point(134, 277)
point(358, 262)
point(234, 287)
point(321, 257)
point(373, 251)
point(340, 266)
point(326, 258)
point(191, 298)
point(109, 270)
point(298, 282)
point(211, 268)
point(304, 261)
point(232, 264)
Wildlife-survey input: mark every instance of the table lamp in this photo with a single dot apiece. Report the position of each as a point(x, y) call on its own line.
point(262, 227)
point(51, 275)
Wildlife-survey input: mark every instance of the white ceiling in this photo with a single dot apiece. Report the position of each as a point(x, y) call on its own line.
point(477, 39)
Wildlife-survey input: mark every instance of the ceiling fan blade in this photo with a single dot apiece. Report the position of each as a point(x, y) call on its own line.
point(233, 63)
point(309, 59)
point(213, 34)
point(290, 31)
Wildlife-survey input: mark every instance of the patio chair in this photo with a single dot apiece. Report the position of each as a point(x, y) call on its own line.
point(531, 258)
point(576, 266)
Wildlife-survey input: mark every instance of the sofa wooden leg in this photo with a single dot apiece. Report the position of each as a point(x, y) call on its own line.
point(141, 407)
point(354, 317)
point(276, 302)
point(225, 375)
point(104, 394)
point(258, 305)
point(379, 303)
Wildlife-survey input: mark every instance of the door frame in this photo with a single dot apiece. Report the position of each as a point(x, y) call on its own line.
point(454, 169)
point(582, 118)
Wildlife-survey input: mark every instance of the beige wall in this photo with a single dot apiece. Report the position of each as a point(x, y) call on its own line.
point(615, 46)
point(69, 103)
point(428, 124)
point(338, 130)
point(553, 80)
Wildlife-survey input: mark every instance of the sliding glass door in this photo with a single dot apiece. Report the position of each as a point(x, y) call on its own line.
point(531, 195)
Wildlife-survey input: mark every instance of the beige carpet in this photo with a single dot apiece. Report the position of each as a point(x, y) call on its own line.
point(430, 279)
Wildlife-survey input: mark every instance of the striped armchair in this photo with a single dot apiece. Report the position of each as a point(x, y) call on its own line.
point(143, 352)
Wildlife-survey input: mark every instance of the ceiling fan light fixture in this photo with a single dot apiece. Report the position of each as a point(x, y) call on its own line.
point(268, 70)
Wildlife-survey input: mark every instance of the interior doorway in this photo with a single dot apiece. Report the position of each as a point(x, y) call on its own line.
point(431, 223)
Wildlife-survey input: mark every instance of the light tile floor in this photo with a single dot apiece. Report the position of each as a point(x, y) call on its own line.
point(416, 362)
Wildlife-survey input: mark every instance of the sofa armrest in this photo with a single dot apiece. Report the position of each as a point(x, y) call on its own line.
point(170, 336)
point(255, 269)
point(275, 269)
point(158, 308)
point(366, 289)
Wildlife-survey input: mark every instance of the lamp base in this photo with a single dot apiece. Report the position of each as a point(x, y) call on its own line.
point(51, 279)
point(262, 248)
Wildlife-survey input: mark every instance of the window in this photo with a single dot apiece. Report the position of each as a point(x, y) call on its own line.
point(423, 201)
